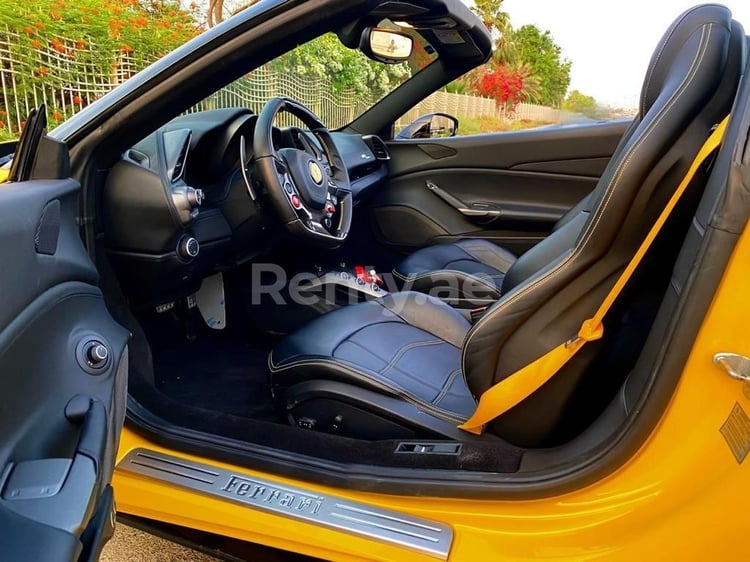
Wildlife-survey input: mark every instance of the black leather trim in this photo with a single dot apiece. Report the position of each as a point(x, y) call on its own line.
point(543, 306)
point(610, 199)
point(471, 269)
point(429, 314)
point(351, 373)
point(550, 290)
point(405, 344)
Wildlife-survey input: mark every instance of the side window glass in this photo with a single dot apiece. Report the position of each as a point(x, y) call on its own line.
point(525, 85)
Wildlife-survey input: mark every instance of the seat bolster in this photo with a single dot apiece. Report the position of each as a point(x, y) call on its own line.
point(431, 258)
point(488, 253)
point(454, 257)
point(429, 314)
point(469, 269)
point(456, 286)
point(321, 337)
point(406, 345)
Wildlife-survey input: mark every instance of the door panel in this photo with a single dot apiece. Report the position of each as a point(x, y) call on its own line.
point(63, 398)
point(510, 188)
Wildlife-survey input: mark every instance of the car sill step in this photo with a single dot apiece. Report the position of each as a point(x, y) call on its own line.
point(352, 517)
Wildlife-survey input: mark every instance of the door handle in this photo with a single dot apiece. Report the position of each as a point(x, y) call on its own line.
point(473, 210)
point(737, 366)
point(92, 441)
point(67, 488)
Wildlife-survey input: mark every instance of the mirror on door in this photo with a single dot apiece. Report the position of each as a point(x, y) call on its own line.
point(430, 126)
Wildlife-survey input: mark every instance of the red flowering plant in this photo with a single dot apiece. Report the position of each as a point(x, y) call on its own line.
point(67, 53)
point(507, 85)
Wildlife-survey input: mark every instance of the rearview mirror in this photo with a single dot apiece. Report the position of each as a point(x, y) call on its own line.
point(386, 45)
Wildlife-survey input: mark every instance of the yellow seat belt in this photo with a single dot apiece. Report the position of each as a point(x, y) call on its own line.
point(515, 388)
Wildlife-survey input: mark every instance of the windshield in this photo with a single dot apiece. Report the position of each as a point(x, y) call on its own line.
point(336, 82)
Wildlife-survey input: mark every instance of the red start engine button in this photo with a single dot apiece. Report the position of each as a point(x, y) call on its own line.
point(296, 203)
point(330, 209)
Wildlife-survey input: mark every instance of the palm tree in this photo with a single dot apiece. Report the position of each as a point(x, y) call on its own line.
point(498, 23)
point(532, 88)
point(506, 48)
point(492, 15)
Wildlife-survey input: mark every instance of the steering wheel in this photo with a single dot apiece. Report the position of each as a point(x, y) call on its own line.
point(309, 189)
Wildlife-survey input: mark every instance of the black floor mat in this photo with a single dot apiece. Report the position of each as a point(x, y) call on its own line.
point(228, 377)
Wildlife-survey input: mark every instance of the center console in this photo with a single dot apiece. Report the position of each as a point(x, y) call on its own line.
point(308, 294)
point(355, 283)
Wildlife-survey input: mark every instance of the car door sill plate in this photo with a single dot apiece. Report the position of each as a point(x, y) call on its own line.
point(334, 512)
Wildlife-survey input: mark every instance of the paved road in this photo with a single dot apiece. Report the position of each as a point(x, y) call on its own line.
point(132, 545)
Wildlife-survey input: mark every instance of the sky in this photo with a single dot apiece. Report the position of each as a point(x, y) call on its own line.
point(610, 43)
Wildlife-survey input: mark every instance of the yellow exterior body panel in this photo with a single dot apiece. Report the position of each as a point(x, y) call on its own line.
point(683, 496)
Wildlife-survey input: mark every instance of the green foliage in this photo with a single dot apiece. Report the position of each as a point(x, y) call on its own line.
point(152, 27)
point(457, 87)
point(66, 47)
point(497, 21)
point(347, 69)
point(526, 52)
point(539, 51)
point(578, 102)
point(492, 15)
point(476, 82)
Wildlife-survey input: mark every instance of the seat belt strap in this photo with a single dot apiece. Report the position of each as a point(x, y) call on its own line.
point(515, 388)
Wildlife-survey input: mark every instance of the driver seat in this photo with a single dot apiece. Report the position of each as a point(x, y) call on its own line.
point(409, 365)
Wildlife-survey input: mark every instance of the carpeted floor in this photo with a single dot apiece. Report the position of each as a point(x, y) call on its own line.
point(228, 377)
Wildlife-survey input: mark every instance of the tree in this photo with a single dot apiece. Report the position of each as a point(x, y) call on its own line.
point(544, 57)
point(527, 53)
point(497, 21)
point(153, 26)
point(457, 87)
point(578, 102)
point(326, 57)
point(70, 47)
point(492, 15)
point(504, 84)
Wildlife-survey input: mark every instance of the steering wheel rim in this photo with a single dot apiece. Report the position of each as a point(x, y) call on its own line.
point(309, 190)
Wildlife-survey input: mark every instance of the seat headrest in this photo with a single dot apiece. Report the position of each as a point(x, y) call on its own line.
point(687, 28)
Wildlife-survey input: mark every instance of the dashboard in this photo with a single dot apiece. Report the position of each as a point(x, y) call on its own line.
point(185, 201)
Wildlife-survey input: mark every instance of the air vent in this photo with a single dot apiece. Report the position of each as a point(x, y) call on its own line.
point(378, 147)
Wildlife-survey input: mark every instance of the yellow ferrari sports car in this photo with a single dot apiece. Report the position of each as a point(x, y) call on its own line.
point(272, 316)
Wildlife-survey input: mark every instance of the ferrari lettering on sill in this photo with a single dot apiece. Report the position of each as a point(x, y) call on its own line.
point(255, 492)
point(373, 522)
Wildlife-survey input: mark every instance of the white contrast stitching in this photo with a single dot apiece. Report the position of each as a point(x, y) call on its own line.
point(398, 391)
point(567, 258)
point(446, 271)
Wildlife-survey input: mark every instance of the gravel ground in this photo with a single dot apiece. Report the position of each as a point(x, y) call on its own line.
point(132, 545)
